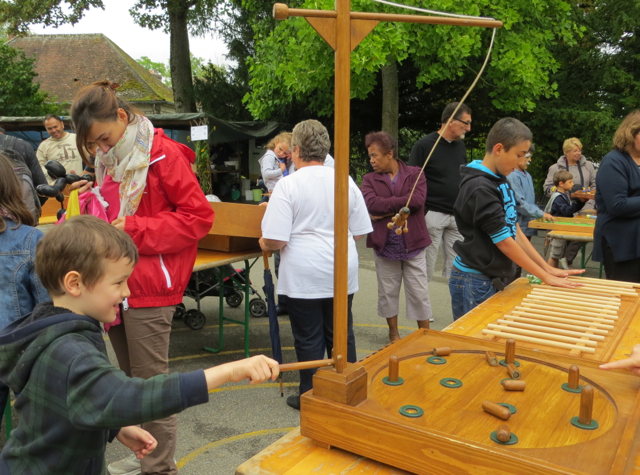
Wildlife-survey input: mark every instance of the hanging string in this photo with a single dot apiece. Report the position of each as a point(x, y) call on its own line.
point(433, 12)
point(486, 60)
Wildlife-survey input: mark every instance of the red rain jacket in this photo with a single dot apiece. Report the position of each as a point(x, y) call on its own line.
point(172, 217)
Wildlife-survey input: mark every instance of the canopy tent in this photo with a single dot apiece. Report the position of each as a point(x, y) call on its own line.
point(220, 131)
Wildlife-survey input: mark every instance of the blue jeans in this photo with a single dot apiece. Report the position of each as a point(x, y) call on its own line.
point(468, 291)
point(312, 327)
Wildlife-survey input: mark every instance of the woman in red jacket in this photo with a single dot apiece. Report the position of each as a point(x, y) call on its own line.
point(398, 256)
point(154, 196)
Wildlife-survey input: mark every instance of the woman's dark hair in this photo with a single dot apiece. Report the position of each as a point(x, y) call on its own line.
point(384, 141)
point(97, 102)
point(624, 138)
point(11, 196)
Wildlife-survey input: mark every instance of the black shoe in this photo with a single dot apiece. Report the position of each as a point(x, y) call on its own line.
point(281, 311)
point(294, 402)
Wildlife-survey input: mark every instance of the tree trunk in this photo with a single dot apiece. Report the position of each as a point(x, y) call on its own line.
point(180, 59)
point(390, 97)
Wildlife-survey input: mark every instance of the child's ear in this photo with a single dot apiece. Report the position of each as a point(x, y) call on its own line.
point(72, 283)
point(498, 149)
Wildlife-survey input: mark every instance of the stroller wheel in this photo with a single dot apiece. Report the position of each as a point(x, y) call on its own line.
point(194, 319)
point(180, 311)
point(257, 308)
point(235, 299)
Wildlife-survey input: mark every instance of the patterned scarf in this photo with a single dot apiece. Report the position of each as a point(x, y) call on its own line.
point(128, 163)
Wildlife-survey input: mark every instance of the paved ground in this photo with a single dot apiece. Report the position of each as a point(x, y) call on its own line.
point(240, 420)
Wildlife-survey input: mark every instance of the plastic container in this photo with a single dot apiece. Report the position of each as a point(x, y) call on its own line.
point(248, 195)
point(246, 184)
point(257, 194)
point(233, 163)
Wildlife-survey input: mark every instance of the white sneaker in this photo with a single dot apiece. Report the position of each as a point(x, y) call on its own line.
point(127, 466)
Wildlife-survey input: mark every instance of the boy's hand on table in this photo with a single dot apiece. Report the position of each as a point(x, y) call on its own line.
point(632, 363)
point(564, 272)
point(138, 440)
point(561, 282)
point(548, 217)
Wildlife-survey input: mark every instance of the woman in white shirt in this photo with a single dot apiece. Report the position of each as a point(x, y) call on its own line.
point(299, 222)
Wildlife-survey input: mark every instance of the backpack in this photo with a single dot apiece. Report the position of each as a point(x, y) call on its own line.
point(29, 194)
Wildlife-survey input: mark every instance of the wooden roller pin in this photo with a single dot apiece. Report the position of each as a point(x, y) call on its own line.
point(574, 377)
point(513, 385)
point(510, 351)
point(494, 409)
point(513, 371)
point(441, 351)
point(586, 405)
point(394, 368)
point(491, 358)
point(503, 434)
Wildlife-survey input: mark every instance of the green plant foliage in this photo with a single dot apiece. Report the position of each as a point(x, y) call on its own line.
point(20, 14)
point(161, 68)
point(20, 95)
point(203, 166)
point(293, 61)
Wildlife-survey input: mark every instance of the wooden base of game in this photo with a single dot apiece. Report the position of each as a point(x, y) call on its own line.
point(434, 422)
point(581, 225)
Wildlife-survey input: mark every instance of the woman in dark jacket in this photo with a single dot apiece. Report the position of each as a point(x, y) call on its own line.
point(616, 240)
point(398, 256)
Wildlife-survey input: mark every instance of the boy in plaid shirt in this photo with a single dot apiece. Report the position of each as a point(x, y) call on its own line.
point(72, 400)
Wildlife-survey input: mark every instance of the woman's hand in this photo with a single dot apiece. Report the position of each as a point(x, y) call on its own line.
point(119, 222)
point(138, 440)
point(81, 186)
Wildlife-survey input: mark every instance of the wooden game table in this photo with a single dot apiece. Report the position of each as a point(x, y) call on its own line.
point(205, 260)
point(295, 454)
point(572, 225)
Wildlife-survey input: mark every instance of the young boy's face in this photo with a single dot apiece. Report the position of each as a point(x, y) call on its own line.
point(523, 163)
point(566, 185)
point(507, 160)
point(102, 300)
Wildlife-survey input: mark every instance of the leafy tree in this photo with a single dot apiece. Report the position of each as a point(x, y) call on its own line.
point(293, 62)
point(165, 71)
point(19, 94)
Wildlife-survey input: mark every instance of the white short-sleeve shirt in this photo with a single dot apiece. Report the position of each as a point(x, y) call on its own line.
point(300, 212)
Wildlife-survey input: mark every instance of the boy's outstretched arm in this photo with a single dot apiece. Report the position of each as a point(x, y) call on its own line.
point(138, 440)
point(632, 363)
point(517, 254)
point(257, 369)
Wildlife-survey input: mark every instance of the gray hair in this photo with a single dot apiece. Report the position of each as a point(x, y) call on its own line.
point(448, 110)
point(312, 140)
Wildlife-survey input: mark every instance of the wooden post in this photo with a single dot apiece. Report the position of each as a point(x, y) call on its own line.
point(586, 405)
point(503, 434)
point(394, 368)
point(510, 351)
point(574, 377)
point(341, 149)
point(494, 409)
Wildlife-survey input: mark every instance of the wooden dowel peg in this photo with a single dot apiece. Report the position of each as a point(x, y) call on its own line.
point(491, 358)
point(445, 351)
point(556, 344)
point(305, 365)
point(574, 377)
point(513, 371)
point(513, 385)
point(494, 409)
point(510, 351)
point(394, 368)
point(586, 405)
point(503, 434)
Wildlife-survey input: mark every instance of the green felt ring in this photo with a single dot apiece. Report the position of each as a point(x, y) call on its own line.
point(576, 422)
point(436, 360)
point(508, 379)
point(504, 363)
point(386, 381)
point(511, 441)
point(411, 411)
point(451, 382)
point(511, 408)
point(566, 387)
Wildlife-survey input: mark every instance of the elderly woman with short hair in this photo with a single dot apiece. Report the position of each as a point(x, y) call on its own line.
point(616, 239)
point(398, 257)
point(299, 222)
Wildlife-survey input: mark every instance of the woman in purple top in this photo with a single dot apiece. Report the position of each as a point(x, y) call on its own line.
point(398, 256)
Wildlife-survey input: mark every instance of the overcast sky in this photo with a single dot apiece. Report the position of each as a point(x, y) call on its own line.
point(116, 23)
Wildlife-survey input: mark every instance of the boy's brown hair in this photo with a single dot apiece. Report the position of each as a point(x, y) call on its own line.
point(562, 176)
point(80, 244)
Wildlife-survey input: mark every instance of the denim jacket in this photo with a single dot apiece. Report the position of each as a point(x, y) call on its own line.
point(21, 288)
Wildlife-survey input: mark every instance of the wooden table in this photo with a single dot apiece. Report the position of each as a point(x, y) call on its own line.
point(298, 455)
point(205, 260)
point(580, 225)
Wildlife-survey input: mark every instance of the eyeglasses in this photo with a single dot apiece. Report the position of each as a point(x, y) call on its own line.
point(465, 122)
